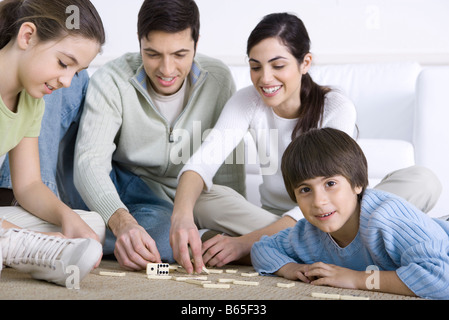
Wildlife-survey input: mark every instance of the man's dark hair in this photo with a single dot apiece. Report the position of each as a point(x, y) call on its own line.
point(170, 16)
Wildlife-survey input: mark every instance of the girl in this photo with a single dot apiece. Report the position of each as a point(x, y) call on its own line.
point(283, 102)
point(43, 45)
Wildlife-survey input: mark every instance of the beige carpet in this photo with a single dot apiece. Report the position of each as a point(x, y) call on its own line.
point(135, 286)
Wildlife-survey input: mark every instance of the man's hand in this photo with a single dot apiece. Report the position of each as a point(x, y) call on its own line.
point(134, 247)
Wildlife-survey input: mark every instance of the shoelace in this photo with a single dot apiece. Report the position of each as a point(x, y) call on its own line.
point(35, 248)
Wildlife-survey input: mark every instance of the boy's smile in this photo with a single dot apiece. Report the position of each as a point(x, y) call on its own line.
point(325, 216)
point(331, 204)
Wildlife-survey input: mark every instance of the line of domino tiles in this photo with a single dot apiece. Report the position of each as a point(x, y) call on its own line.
point(160, 271)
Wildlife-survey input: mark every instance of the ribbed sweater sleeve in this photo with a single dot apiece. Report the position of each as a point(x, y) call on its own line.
point(271, 253)
point(402, 238)
point(302, 244)
point(100, 122)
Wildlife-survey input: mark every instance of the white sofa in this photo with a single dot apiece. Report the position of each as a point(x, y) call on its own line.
point(402, 113)
point(401, 116)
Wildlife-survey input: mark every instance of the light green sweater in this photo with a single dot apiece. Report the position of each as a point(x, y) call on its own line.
point(120, 123)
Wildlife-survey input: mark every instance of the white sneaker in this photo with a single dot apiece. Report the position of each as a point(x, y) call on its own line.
point(47, 257)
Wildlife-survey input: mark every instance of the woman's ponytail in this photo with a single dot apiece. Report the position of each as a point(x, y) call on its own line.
point(312, 105)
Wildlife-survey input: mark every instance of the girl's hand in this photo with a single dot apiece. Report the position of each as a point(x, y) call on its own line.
point(75, 227)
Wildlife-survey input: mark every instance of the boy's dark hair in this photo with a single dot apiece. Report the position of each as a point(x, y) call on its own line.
point(324, 153)
point(169, 16)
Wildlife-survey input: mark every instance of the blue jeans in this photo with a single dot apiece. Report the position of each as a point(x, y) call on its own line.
point(151, 212)
point(57, 139)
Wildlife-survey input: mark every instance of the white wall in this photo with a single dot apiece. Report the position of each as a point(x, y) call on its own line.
point(342, 31)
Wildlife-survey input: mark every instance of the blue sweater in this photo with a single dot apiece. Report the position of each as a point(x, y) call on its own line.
point(393, 235)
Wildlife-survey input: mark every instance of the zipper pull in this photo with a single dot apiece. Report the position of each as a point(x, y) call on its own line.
point(170, 136)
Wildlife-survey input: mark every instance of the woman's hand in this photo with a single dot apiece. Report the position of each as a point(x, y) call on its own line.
point(221, 250)
point(185, 239)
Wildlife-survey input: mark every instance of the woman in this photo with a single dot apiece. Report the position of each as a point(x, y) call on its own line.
point(282, 103)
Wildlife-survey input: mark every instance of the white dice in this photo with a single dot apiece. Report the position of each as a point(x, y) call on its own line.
point(158, 269)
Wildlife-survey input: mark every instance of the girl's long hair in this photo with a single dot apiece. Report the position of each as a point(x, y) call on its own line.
point(53, 19)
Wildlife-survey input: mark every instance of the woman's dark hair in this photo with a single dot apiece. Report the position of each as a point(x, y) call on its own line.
point(53, 19)
point(291, 32)
point(169, 16)
point(323, 152)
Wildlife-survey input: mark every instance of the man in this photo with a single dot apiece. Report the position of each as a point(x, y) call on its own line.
point(143, 116)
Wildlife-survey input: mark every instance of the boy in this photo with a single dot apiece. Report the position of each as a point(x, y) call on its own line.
point(348, 228)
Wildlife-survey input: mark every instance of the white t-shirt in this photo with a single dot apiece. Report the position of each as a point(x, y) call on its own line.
point(170, 106)
point(246, 111)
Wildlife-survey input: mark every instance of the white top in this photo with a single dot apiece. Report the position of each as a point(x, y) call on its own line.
point(172, 105)
point(246, 111)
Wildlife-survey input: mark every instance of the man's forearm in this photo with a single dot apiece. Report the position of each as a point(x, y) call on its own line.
point(119, 219)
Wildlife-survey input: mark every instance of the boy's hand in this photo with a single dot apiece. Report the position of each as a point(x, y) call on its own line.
point(294, 271)
point(335, 276)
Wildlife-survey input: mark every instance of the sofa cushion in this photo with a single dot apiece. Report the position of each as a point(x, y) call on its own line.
point(384, 96)
point(385, 156)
